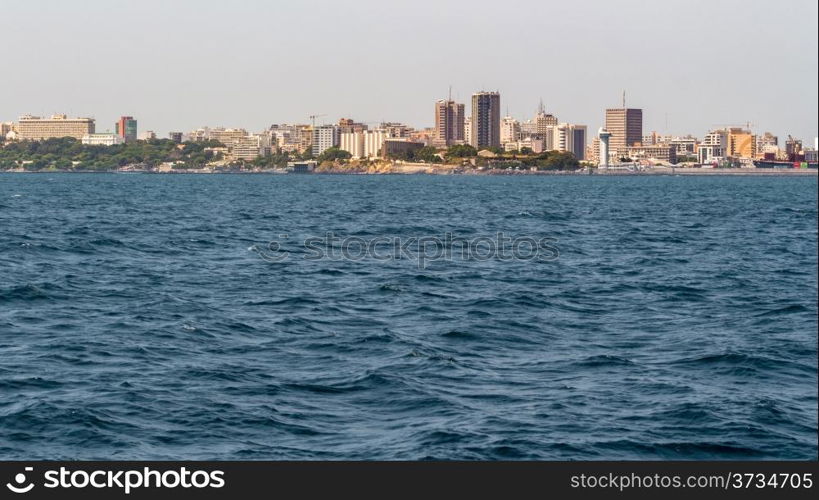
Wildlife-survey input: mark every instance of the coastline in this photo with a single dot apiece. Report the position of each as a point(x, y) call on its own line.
point(451, 170)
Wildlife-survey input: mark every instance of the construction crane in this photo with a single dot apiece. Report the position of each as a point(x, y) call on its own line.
point(313, 119)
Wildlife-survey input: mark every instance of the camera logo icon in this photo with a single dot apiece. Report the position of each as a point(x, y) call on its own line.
point(20, 480)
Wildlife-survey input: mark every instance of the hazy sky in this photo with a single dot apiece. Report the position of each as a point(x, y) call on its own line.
point(178, 65)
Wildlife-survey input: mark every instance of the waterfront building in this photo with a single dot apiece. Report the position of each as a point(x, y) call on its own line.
point(324, 138)
point(35, 128)
point(660, 152)
point(766, 142)
point(604, 137)
point(684, 146)
point(126, 127)
point(712, 149)
point(106, 139)
point(741, 143)
point(625, 126)
point(468, 129)
point(365, 143)
point(374, 142)
point(353, 143)
point(449, 123)
point(249, 147)
point(793, 147)
point(485, 127)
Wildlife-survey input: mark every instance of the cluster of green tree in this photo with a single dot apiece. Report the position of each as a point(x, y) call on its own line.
point(67, 153)
point(461, 151)
point(427, 154)
point(333, 154)
point(552, 160)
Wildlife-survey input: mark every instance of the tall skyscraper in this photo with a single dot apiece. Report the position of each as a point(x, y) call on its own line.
point(626, 128)
point(126, 128)
point(449, 123)
point(485, 120)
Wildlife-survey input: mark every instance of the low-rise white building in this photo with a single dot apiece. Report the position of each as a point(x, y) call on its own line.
point(106, 139)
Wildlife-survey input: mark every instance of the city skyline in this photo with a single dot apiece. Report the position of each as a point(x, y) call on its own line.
point(205, 63)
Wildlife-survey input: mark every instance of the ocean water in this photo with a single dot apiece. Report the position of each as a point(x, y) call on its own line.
point(142, 317)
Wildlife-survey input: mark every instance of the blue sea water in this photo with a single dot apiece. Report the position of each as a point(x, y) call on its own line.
point(138, 319)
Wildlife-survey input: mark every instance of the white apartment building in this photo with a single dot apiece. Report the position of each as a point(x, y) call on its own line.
point(364, 143)
point(324, 138)
point(713, 147)
point(106, 139)
point(249, 147)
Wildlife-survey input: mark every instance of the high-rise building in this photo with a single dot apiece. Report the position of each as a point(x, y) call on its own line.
point(449, 123)
point(35, 128)
point(175, 136)
point(126, 128)
point(570, 138)
point(626, 128)
point(543, 121)
point(485, 120)
point(324, 138)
